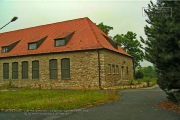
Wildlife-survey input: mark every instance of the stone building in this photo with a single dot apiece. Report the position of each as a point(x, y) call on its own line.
point(73, 54)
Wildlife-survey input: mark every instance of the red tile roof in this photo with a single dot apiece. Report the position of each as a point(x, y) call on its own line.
point(86, 36)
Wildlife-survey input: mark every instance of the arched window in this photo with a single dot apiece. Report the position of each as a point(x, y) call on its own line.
point(65, 68)
point(35, 69)
point(53, 69)
point(15, 70)
point(5, 70)
point(25, 70)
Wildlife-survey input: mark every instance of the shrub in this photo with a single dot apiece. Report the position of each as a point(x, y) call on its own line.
point(139, 74)
point(10, 83)
point(131, 82)
point(174, 96)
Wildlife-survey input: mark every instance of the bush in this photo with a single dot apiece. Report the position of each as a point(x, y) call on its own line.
point(174, 96)
point(131, 82)
point(139, 74)
point(148, 80)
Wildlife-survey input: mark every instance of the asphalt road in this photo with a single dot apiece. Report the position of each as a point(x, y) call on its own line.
point(137, 104)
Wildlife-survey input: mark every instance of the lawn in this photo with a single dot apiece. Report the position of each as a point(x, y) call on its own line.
point(53, 99)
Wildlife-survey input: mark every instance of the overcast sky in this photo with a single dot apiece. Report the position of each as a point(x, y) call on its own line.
point(122, 15)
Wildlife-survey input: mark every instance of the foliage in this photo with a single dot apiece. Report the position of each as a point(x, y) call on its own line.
point(7, 85)
point(53, 99)
point(139, 74)
point(163, 45)
point(149, 71)
point(105, 28)
point(132, 46)
point(149, 81)
point(128, 42)
point(131, 82)
point(10, 83)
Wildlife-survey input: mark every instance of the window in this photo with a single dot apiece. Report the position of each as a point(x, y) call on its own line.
point(5, 70)
point(32, 46)
point(63, 39)
point(117, 69)
point(113, 69)
point(109, 69)
point(35, 69)
point(127, 70)
point(25, 70)
point(15, 70)
point(5, 49)
point(60, 42)
point(53, 69)
point(65, 68)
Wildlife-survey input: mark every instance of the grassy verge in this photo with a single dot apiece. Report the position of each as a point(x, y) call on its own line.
point(53, 99)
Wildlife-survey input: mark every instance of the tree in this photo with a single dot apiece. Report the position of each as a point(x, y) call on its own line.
point(105, 28)
point(149, 71)
point(139, 74)
point(131, 45)
point(163, 45)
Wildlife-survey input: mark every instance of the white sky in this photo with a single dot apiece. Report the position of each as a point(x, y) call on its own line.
point(122, 15)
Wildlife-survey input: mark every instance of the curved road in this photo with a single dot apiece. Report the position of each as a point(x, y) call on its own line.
point(137, 104)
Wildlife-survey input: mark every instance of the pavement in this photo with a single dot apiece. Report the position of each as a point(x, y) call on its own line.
point(134, 104)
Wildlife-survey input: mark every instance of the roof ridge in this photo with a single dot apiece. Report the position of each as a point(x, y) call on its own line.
point(88, 20)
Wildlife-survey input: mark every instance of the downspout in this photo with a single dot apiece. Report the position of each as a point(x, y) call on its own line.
point(99, 68)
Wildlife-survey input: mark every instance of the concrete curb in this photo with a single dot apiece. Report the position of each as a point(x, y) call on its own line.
point(142, 85)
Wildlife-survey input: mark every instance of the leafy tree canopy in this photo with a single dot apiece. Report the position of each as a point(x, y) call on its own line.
point(131, 45)
point(105, 28)
point(149, 71)
point(139, 74)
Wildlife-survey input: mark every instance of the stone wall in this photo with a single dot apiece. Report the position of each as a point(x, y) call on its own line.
point(125, 68)
point(84, 70)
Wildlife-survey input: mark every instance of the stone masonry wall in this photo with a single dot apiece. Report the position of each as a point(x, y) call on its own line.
point(83, 71)
point(125, 68)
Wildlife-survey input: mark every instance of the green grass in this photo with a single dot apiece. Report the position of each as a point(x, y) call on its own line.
point(53, 99)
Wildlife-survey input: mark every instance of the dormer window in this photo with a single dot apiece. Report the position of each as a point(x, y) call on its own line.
point(32, 46)
point(9, 47)
point(113, 43)
point(63, 39)
point(5, 49)
point(60, 42)
point(35, 44)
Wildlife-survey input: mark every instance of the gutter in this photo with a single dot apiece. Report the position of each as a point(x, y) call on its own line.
point(99, 68)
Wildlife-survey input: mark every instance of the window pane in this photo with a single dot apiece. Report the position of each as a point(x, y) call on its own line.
point(117, 69)
point(113, 69)
point(25, 70)
point(4, 49)
point(53, 69)
point(14, 70)
point(32, 46)
point(35, 74)
point(109, 68)
point(35, 69)
point(65, 68)
point(60, 42)
point(5, 70)
point(127, 71)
